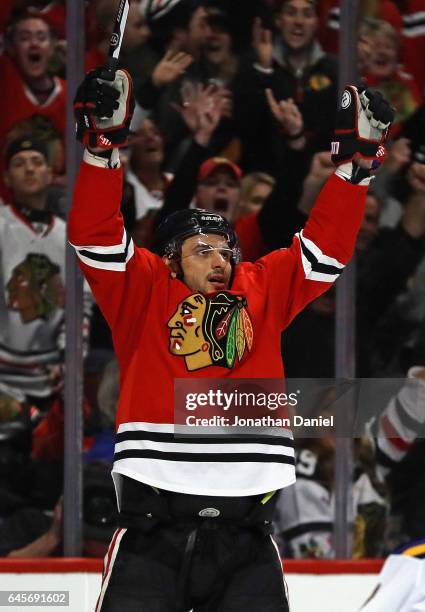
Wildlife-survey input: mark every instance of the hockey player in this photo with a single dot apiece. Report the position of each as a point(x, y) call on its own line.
point(195, 512)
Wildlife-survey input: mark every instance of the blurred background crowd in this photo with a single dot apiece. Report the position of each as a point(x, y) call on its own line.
point(205, 75)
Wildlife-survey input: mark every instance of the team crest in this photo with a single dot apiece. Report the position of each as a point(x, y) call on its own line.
point(210, 331)
point(35, 288)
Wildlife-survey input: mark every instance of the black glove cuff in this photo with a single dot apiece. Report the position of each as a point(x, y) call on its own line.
point(348, 145)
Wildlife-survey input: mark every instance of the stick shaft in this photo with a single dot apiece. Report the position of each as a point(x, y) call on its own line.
point(118, 33)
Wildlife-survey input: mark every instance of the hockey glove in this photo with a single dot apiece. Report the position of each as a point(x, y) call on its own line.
point(103, 110)
point(361, 129)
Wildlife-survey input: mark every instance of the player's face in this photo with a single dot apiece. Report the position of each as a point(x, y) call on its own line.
point(186, 336)
point(253, 203)
point(148, 149)
point(219, 192)
point(298, 24)
point(32, 47)
point(28, 175)
point(206, 263)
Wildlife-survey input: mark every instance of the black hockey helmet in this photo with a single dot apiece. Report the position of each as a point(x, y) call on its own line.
point(183, 224)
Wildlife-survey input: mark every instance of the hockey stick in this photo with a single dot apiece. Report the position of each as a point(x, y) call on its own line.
point(116, 40)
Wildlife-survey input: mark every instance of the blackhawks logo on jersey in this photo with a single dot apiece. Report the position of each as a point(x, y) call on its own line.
point(211, 330)
point(35, 288)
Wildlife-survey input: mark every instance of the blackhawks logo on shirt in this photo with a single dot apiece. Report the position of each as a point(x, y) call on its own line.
point(35, 288)
point(209, 331)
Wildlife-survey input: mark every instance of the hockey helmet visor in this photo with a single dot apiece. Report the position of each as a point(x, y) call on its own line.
point(178, 226)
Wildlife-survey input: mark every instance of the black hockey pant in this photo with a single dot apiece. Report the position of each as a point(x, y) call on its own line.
point(203, 566)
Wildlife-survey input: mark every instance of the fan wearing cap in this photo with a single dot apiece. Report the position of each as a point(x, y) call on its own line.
point(195, 510)
point(31, 90)
point(32, 260)
point(218, 187)
point(32, 264)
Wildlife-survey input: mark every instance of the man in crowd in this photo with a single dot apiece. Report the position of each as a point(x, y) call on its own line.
point(184, 30)
point(33, 267)
point(295, 67)
point(193, 310)
point(27, 87)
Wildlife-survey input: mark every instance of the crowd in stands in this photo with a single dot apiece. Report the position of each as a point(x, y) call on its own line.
point(235, 108)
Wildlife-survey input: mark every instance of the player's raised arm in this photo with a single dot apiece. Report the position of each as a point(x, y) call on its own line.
point(321, 250)
point(106, 253)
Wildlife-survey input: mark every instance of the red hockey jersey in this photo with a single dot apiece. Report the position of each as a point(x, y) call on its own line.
point(147, 309)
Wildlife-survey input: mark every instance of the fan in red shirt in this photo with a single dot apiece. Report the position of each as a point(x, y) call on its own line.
point(384, 73)
point(27, 87)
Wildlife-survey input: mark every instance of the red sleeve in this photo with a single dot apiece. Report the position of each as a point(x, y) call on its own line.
point(119, 274)
point(319, 253)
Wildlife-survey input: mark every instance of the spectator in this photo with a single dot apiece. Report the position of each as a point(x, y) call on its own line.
point(27, 86)
point(257, 232)
point(400, 451)
point(218, 187)
point(185, 33)
point(201, 111)
point(136, 35)
point(145, 181)
point(294, 66)
point(407, 19)
point(398, 331)
point(309, 76)
point(255, 189)
point(378, 284)
point(137, 55)
point(387, 10)
point(384, 74)
point(219, 52)
point(33, 264)
point(31, 533)
point(305, 512)
point(181, 25)
point(53, 12)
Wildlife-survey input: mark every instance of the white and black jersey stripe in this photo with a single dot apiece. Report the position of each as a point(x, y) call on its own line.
point(28, 370)
point(113, 258)
point(414, 24)
point(168, 457)
point(318, 266)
